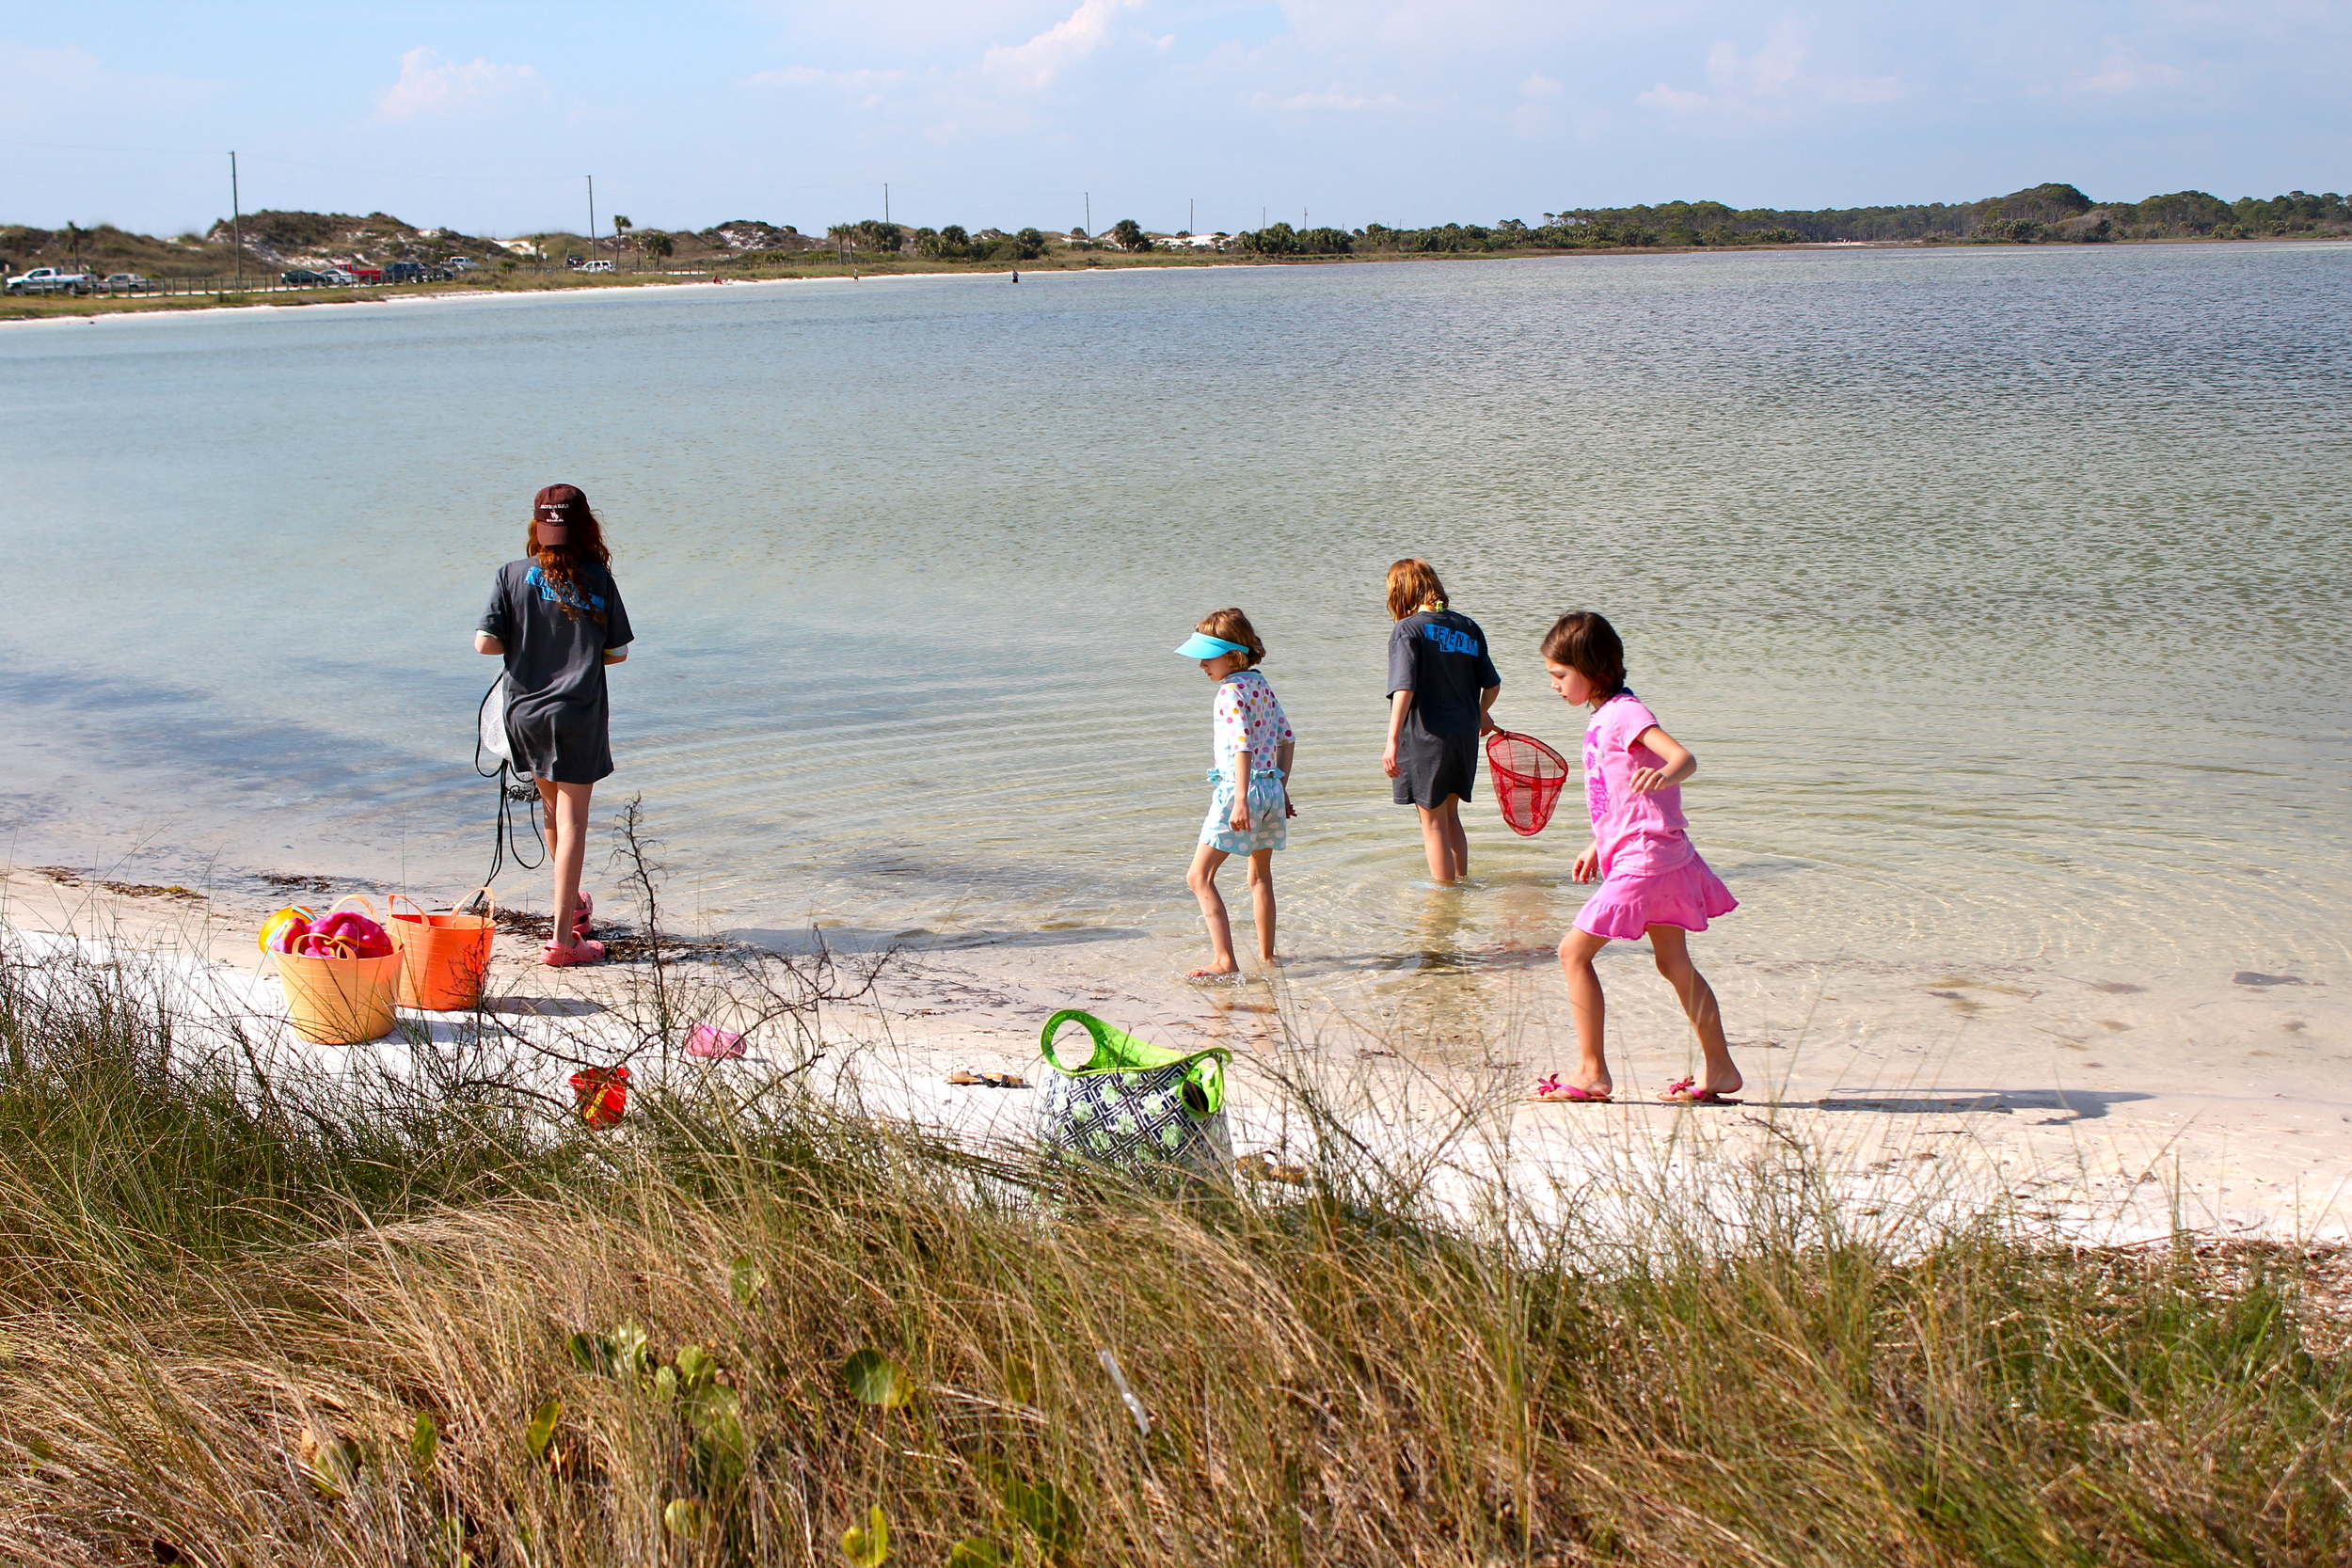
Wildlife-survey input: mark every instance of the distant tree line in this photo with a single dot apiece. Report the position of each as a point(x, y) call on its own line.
point(2049, 212)
point(876, 237)
point(2042, 213)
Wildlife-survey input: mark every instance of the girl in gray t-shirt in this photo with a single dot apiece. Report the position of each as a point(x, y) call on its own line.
point(557, 619)
point(1441, 682)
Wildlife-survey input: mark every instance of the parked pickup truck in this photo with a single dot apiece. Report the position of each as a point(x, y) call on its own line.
point(49, 280)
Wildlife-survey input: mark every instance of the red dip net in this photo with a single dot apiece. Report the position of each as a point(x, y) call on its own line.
point(1528, 776)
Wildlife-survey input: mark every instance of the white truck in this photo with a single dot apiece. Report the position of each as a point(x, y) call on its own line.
point(51, 280)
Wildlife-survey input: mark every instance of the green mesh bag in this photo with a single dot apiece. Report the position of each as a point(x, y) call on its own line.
point(1134, 1104)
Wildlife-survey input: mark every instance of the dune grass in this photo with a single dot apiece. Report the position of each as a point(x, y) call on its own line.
point(249, 1316)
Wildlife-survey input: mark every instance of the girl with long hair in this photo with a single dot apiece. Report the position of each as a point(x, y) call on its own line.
point(1652, 882)
point(556, 618)
point(1441, 682)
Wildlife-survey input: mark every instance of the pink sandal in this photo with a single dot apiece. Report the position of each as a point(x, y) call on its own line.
point(1551, 1090)
point(556, 956)
point(1685, 1091)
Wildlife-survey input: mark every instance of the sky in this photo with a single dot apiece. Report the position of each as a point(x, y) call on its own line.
point(1213, 115)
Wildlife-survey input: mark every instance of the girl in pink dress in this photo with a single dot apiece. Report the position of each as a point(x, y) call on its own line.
point(1653, 882)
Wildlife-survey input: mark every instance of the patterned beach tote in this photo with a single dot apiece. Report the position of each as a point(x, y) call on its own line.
point(1132, 1104)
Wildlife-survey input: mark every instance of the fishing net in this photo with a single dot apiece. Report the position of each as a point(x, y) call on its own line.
point(1528, 777)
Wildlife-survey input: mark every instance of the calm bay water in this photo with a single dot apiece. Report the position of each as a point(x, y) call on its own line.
point(2001, 593)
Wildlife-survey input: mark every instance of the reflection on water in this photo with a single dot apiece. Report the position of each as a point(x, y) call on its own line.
point(2001, 594)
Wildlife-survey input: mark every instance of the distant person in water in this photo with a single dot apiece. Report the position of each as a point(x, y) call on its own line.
point(1652, 882)
point(556, 617)
point(1441, 682)
point(1250, 745)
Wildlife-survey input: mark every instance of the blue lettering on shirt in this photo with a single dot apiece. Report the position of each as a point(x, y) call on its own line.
point(1451, 641)
point(534, 578)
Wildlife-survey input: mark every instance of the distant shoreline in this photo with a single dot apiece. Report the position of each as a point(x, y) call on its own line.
point(34, 309)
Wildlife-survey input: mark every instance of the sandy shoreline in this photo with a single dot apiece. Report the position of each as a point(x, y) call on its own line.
point(2111, 1112)
point(181, 314)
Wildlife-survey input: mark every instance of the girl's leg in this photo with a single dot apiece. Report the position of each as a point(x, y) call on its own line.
point(566, 807)
point(1672, 945)
point(1204, 885)
point(1261, 901)
point(1443, 841)
point(1588, 1008)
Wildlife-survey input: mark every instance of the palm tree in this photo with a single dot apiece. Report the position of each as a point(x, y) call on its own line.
point(620, 227)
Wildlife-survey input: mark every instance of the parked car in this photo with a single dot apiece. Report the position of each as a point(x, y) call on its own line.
point(573, 262)
point(52, 280)
point(365, 275)
point(338, 276)
point(459, 263)
point(302, 278)
point(601, 264)
point(125, 283)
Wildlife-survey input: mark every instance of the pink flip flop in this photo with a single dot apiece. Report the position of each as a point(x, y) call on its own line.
point(557, 955)
point(1684, 1091)
point(1551, 1092)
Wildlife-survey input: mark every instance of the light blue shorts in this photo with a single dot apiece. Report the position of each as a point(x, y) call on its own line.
point(1269, 824)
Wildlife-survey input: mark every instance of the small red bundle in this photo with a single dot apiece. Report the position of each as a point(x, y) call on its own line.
point(1528, 777)
point(602, 1093)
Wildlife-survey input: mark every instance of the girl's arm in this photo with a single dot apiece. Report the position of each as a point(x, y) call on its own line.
point(1282, 755)
point(1400, 703)
point(616, 656)
point(1486, 701)
point(1680, 764)
point(1238, 819)
point(484, 644)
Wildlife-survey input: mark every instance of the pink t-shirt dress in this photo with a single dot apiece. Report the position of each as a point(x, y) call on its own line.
point(1650, 873)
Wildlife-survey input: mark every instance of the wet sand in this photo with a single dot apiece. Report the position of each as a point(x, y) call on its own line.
point(2107, 1109)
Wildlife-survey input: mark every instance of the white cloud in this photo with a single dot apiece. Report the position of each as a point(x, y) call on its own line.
point(1772, 82)
point(431, 86)
point(40, 84)
point(810, 76)
point(1334, 99)
point(1036, 63)
point(1540, 86)
point(2123, 72)
point(1420, 29)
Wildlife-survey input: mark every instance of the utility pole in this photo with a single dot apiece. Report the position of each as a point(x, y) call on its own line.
point(1187, 214)
point(237, 222)
point(885, 201)
point(592, 216)
point(1089, 214)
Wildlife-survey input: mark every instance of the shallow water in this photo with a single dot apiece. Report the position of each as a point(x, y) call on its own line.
point(2000, 592)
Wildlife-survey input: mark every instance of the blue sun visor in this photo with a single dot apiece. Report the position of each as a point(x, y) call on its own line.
point(1201, 646)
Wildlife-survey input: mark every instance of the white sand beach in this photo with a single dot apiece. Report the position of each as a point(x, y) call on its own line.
point(2104, 1111)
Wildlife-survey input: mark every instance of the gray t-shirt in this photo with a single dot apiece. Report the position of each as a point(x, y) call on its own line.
point(1441, 658)
point(558, 715)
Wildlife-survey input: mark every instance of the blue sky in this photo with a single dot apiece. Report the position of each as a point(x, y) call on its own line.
point(484, 117)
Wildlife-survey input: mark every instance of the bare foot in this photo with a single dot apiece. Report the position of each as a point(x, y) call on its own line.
point(1214, 971)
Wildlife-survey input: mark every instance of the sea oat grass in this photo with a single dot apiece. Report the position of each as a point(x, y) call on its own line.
point(306, 1322)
